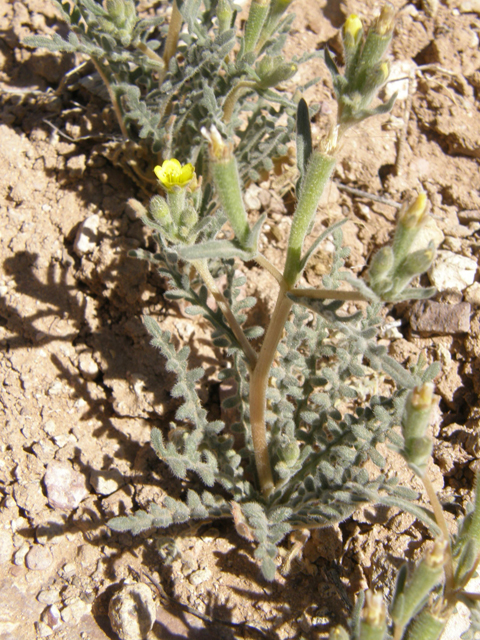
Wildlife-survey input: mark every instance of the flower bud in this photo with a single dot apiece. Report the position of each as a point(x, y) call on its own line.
point(188, 217)
point(273, 71)
point(416, 416)
point(415, 215)
point(385, 22)
point(224, 15)
point(380, 270)
point(436, 555)
point(160, 211)
point(374, 612)
point(352, 30)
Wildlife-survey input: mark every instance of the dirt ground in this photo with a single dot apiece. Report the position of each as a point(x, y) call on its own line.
point(82, 388)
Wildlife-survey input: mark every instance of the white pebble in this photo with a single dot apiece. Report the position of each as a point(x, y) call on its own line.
point(65, 487)
point(200, 576)
point(86, 238)
point(452, 271)
point(106, 482)
point(87, 366)
point(39, 558)
point(132, 612)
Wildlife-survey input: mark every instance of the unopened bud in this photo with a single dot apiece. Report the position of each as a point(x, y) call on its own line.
point(274, 71)
point(188, 217)
point(416, 263)
point(415, 215)
point(224, 15)
point(218, 148)
point(381, 266)
point(422, 397)
point(385, 22)
point(418, 407)
point(160, 210)
point(374, 613)
point(291, 453)
point(435, 557)
point(352, 29)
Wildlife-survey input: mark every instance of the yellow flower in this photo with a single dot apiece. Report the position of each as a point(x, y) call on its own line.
point(171, 174)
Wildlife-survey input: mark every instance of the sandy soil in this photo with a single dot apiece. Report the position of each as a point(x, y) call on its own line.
point(81, 386)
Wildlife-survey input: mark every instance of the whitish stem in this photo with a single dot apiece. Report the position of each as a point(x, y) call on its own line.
point(113, 98)
point(258, 390)
point(232, 97)
point(328, 294)
point(153, 55)
point(440, 518)
point(174, 29)
point(204, 272)
point(272, 269)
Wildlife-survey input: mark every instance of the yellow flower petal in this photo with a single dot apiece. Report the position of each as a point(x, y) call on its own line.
point(352, 26)
point(171, 174)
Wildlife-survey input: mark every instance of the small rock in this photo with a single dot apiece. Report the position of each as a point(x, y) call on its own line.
point(87, 555)
point(19, 557)
point(469, 215)
point(438, 317)
point(51, 617)
point(472, 294)
point(132, 612)
point(106, 482)
point(6, 546)
point(49, 596)
point(75, 610)
point(251, 199)
point(43, 630)
point(87, 366)
point(86, 238)
point(76, 166)
point(470, 6)
point(197, 577)
point(65, 487)
point(452, 271)
point(39, 558)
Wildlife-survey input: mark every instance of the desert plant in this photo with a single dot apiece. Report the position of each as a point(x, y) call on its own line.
point(305, 424)
point(306, 431)
point(168, 80)
point(424, 598)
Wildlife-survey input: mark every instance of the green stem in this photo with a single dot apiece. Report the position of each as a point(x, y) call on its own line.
point(258, 390)
point(204, 272)
point(318, 172)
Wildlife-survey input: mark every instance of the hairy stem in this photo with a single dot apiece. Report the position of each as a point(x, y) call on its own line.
point(204, 272)
point(232, 97)
point(271, 268)
point(328, 294)
point(113, 98)
point(258, 390)
point(440, 518)
point(171, 42)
